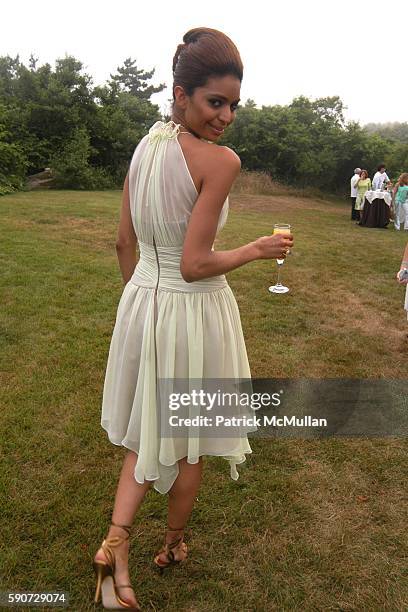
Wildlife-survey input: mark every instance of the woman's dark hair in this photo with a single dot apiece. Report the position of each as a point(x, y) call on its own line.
point(380, 166)
point(204, 53)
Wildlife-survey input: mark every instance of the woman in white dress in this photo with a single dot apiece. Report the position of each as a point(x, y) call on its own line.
point(177, 316)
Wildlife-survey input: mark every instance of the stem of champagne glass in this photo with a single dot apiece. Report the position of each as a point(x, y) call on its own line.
point(279, 269)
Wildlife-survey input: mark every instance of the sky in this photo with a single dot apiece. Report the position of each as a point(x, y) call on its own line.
point(355, 50)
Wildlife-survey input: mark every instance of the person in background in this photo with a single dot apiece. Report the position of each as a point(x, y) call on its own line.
point(390, 189)
point(353, 192)
point(363, 185)
point(380, 177)
point(404, 266)
point(401, 203)
point(393, 194)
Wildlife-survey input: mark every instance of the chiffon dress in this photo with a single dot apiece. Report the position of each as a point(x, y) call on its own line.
point(166, 327)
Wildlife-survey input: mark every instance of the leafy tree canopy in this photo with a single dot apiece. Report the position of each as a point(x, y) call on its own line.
point(46, 114)
point(392, 131)
point(57, 117)
point(132, 80)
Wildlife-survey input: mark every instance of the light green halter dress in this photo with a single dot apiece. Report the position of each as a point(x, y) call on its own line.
point(165, 327)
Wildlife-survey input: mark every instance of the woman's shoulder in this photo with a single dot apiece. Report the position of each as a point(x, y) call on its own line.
point(230, 155)
point(220, 155)
point(139, 147)
point(205, 159)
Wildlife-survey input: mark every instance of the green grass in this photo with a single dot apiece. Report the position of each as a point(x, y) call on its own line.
point(310, 525)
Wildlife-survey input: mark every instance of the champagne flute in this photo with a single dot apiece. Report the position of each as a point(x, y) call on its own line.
point(280, 228)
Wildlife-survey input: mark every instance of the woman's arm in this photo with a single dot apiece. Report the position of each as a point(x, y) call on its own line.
point(198, 261)
point(126, 241)
point(404, 264)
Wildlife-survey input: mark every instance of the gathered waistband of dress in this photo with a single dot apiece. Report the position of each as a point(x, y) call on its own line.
point(159, 267)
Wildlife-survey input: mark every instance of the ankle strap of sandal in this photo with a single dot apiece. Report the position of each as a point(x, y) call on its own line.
point(127, 528)
point(175, 529)
point(168, 547)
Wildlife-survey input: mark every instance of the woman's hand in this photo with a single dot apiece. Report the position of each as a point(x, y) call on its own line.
point(401, 282)
point(273, 247)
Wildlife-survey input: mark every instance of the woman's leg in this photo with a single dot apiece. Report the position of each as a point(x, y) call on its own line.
point(129, 494)
point(405, 215)
point(357, 208)
point(397, 213)
point(182, 496)
point(183, 492)
point(128, 498)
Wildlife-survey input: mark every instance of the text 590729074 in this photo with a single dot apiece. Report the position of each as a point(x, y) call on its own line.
point(13, 599)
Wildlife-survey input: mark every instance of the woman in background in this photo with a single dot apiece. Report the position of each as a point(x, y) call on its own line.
point(363, 185)
point(401, 202)
point(393, 194)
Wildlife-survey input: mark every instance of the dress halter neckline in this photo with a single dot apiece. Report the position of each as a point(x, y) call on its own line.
point(192, 134)
point(168, 131)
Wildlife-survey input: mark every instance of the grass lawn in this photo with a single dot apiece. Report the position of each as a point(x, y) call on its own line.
point(310, 525)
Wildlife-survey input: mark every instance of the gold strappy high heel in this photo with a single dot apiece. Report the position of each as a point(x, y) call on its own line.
point(105, 573)
point(168, 550)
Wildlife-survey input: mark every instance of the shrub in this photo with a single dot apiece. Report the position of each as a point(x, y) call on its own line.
point(13, 164)
point(71, 169)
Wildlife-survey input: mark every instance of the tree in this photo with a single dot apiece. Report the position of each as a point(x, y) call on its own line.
point(44, 108)
point(307, 143)
point(71, 165)
point(13, 162)
point(392, 131)
point(132, 80)
point(56, 116)
point(8, 75)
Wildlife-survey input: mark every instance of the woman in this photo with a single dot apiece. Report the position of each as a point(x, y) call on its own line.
point(401, 202)
point(363, 185)
point(177, 316)
point(402, 277)
point(394, 190)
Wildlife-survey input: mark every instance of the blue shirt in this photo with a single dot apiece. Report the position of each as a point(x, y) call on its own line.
point(402, 194)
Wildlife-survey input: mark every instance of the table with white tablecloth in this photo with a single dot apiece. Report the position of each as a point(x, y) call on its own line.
point(376, 211)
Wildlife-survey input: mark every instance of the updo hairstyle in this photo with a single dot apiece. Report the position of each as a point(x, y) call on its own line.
point(204, 53)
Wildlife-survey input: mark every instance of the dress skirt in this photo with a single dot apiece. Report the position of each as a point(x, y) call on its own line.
point(198, 335)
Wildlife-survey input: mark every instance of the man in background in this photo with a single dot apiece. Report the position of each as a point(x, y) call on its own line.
point(380, 177)
point(353, 192)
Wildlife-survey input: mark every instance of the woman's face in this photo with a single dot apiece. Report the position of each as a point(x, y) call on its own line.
point(212, 107)
point(364, 175)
